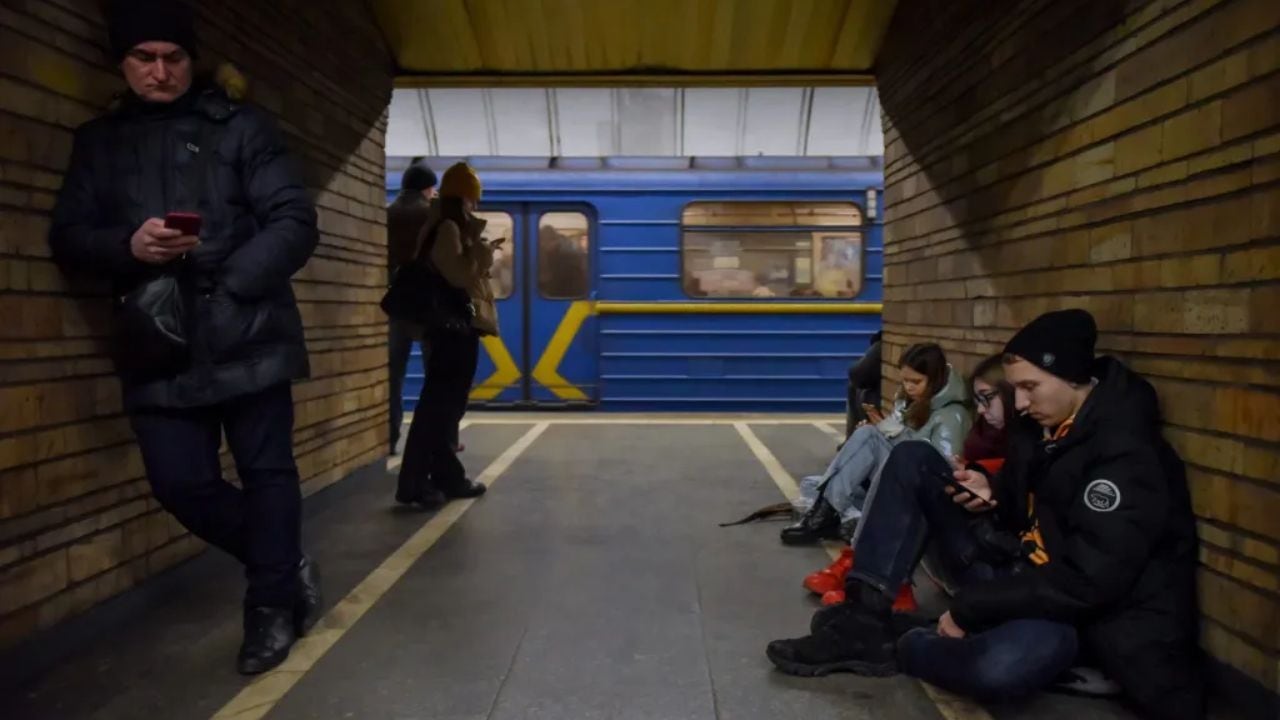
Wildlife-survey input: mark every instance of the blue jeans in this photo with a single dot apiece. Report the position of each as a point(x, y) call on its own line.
point(1007, 662)
point(853, 470)
point(906, 509)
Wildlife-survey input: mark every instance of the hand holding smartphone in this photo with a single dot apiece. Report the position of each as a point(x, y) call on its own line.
point(186, 223)
point(959, 491)
point(157, 241)
point(873, 413)
point(964, 495)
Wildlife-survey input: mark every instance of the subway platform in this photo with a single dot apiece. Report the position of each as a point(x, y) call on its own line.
point(591, 582)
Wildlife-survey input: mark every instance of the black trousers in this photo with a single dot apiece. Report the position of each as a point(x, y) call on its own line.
point(260, 523)
point(399, 347)
point(429, 457)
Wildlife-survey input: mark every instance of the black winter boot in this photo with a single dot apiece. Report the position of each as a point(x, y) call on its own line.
point(822, 522)
point(268, 635)
point(306, 611)
point(855, 637)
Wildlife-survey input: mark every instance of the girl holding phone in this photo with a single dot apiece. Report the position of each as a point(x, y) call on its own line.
point(930, 406)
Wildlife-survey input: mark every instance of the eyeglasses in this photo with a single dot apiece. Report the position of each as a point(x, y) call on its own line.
point(984, 398)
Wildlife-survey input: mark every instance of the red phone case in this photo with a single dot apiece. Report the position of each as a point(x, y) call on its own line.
point(187, 223)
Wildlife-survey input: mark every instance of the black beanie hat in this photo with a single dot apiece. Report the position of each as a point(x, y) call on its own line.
point(417, 177)
point(1060, 343)
point(132, 22)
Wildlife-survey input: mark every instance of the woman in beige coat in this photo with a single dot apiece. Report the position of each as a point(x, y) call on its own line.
point(431, 473)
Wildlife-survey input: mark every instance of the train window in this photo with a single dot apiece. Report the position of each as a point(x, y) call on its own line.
point(772, 249)
point(502, 276)
point(564, 252)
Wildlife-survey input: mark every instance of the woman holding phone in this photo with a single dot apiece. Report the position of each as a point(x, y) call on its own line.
point(929, 406)
point(431, 473)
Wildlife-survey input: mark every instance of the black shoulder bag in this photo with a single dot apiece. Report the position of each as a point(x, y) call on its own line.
point(419, 294)
point(152, 320)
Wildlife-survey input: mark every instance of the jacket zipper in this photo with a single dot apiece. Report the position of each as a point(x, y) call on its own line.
point(166, 160)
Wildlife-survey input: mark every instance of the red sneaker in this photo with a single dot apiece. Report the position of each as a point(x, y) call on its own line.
point(904, 603)
point(906, 600)
point(830, 577)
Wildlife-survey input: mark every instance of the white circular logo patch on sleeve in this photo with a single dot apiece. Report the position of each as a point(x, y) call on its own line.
point(1102, 496)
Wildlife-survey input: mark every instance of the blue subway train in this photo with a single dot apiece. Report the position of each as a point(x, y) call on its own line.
point(633, 285)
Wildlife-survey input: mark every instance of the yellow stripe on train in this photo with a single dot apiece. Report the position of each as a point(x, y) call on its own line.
point(546, 372)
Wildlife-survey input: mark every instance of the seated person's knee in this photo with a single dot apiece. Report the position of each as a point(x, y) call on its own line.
point(862, 433)
point(918, 462)
point(916, 451)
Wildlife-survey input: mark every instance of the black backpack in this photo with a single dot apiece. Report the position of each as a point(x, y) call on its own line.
point(420, 295)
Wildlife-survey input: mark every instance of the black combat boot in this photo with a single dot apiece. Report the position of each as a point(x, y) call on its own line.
point(822, 522)
point(856, 636)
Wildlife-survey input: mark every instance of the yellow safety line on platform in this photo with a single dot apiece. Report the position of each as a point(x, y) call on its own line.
point(777, 473)
point(260, 696)
point(951, 707)
point(829, 429)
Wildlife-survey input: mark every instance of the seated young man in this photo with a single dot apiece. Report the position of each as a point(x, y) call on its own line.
point(1083, 544)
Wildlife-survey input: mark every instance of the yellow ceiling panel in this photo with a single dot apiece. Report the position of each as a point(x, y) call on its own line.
point(503, 41)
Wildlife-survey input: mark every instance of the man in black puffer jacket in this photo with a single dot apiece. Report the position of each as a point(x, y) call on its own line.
point(176, 144)
point(1083, 547)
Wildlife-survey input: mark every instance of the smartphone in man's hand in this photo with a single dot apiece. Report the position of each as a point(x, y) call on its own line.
point(186, 223)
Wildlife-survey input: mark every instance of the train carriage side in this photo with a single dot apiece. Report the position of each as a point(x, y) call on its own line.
point(679, 290)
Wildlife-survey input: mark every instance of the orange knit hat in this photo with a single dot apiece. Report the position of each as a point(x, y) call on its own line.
point(462, 182)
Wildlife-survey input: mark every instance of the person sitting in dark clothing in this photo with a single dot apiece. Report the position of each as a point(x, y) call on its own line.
point(1084, 542)
point(864, 386)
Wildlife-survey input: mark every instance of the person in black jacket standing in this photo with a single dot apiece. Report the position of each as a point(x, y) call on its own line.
point(1083, 547)
point(176, 143)
point(864, 385)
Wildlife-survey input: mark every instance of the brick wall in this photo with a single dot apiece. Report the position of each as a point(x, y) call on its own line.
point(77, 523)
point(1123, 157)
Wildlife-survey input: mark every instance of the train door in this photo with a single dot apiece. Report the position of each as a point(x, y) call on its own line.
point(543, 281)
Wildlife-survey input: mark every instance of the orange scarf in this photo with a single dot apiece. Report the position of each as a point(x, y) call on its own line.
point(1040, 556)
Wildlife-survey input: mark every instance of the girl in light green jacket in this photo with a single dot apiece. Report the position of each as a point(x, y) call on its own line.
point(929, 406)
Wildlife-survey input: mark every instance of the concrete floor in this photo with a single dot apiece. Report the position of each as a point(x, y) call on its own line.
point(591, 582)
